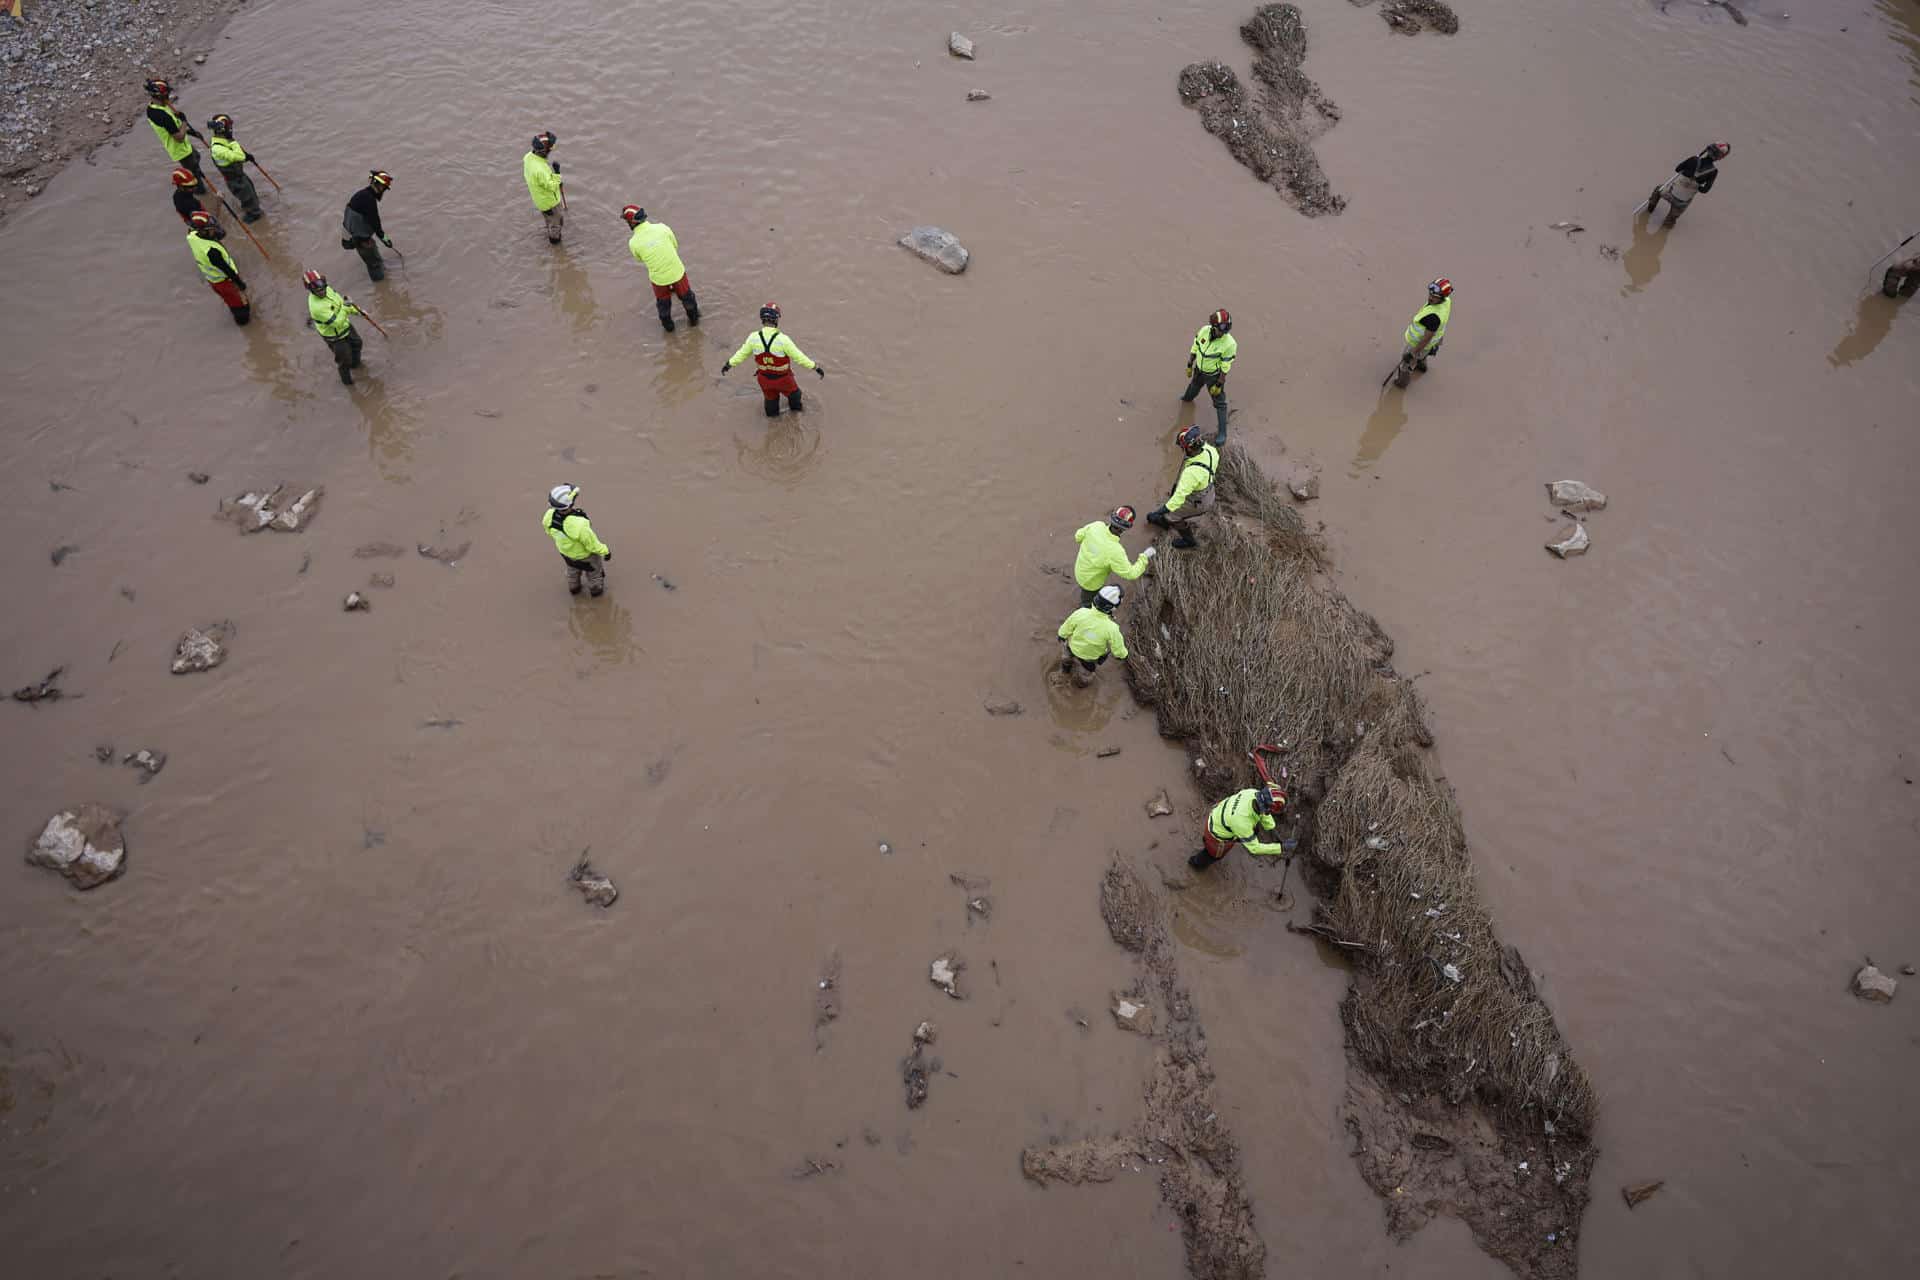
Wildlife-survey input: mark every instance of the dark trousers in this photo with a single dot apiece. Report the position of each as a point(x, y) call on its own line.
point(346, 352)
point(243, 190)
point(192, 165)
point(1216, 385)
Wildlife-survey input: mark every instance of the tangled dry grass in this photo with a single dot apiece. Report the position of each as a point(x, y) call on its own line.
point(1247, 641)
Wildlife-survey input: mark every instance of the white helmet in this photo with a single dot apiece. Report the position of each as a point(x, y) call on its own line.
point(1109, 598)
point(561, 496)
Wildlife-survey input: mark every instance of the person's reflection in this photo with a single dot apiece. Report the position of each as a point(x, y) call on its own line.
point(390, 425)
point(1643, 258)
point(1870, 326)
point(604, 627)
point(1383, 428)
point(573, 292)
point(266, 359)
point(682, 372)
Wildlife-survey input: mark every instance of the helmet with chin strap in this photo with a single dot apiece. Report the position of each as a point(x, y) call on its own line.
point(562, 496)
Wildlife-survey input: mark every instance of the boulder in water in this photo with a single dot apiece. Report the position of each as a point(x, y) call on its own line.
point(83, 844)
point(1874, 986)
point(959, 46)
point(1575, 496)
point(201, 650)
point(1574, 544)
point(942, 248)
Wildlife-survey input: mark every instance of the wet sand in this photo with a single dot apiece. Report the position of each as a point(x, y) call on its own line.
point(281, 1045)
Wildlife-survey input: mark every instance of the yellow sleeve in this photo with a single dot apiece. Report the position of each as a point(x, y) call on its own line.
point(1066, 628)
point(742, 353)
point(1189, 481)
point(1130, 571)
point(787, 347)
point(591, 539)
point(1116, 643)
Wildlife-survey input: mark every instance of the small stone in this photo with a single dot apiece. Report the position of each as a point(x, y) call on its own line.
point(104, 753)
point(981, 906)
point(1575, 496)
point(1002, 707)
point(369, 550)
point(83, 844)
point(1133, 1016)
point(356, 603)
point(380, 580)
point(942, 248)
point(1160, 806)
point(959, 46)
point(199, 58)
point(148, 762)
point(944, 973)
point(198, 477)
point(594, 887)
point(979, 95)
point(1872, 985)
point(1907, 969)
point(201, 650)
point(1639, 1191)
point(925, 1033)
point(445, 555)
point(885, 848)
point(254, 511)
point(1574, 544)
point(1304, 484)
point(32, 192)
point(1106, 753)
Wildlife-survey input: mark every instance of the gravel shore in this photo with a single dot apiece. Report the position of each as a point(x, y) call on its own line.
point(71, 74)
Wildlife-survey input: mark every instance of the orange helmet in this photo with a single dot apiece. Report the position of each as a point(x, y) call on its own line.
point(185, 178)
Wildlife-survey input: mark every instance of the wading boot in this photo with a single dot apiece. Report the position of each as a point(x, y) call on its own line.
point(1201, 861)
point(1184, 540)
point(795, 403)
point(773, 407)
point(692, 304)
point(346, 375)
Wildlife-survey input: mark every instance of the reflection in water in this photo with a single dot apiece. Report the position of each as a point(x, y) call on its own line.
point(572, 291)
point(1643, 258)
point(390, 427)
point(1383, 428)
point(1905, 17)
point(681, 372)
point(604, 627)
point(266, 358)
point(786, 451)
point(1870, 326)
point(411, 324)
point(1080, 710)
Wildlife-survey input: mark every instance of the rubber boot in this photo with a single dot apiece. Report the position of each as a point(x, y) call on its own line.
point(692, 304)
point(1184, 540)
point(1202, 861)
point(1420, 366)
point(1653, 202)
point(665, 307)
point(346, 374)
point(242, 314)
point(773, 407)
point(796, 403)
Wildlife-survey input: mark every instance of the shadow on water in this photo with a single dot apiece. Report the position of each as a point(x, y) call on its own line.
point(604, 627)
point(573, 292)
point(1642, 258)
point(1383, 428)
point(681, 373)
point(1870, 327)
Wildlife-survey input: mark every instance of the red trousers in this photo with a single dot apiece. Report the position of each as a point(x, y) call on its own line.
point(1216, 847)
point(780, 383)
point(679, 286)
point(229, 293)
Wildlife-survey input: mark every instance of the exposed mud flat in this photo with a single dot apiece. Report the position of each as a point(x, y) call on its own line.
point(1271, 131)
point(1462, 1092)
point(1181, 1131)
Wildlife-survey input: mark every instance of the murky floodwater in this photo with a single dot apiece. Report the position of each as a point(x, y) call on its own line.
point(343, 1016)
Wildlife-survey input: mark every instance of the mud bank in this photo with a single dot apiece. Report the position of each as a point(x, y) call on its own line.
point(1463, 1097)
point(1271, 131)
point(73, 76)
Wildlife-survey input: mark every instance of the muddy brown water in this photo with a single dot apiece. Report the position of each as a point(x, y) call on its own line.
point(344, 1016)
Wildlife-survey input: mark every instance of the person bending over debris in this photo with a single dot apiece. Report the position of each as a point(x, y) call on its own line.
point(774, 355)
point(216, 268)
point(1691, 177)
point(331, 315)
point(1240, 819)
point(1102, 555)
point(1208, 362)
point(579, 546)
point(542, 173)
point(360, 223)
point(1092, 636)
point(1425, 331)
point(1192, 497)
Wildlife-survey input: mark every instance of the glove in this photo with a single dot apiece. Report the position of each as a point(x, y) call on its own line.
point(1150, 553)
point(1158, 518)
point(555, 164)
point(239, 284)
point(725, 369)
point(1189, 368)
point(607, 555)
point(386, 240)
point(821, 370)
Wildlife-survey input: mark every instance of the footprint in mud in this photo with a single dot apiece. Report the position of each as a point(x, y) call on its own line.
point(1080, 711)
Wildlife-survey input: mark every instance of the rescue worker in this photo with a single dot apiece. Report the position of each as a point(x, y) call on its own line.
point(1193, 497)
point(1102, 555)
point(543, 183)
point(231, 159)
point(1242, 818)
point(1902, 278)
point(1425, 331)
point(774, 355)
point(173, 131)
point(1092, 636)
point(360, 223)
point(216, 268)
point(1208, 363)
point(185, 203)
point(655, 247)
point(580, 547)
point(331, 314)
point(1691, 177)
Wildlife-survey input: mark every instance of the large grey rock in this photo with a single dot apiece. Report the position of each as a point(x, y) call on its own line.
point(1575, 496)
point(1574, 544)
point(201, 650)
point(959, 46)
point(942, 248)
point(1871, 984)
point(83, 844)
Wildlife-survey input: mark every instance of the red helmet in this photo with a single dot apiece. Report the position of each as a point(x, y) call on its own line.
point(222, 124)
point(1190, 441)
point(314, 281)
point(159, 88)
point(185, 178)
point(1721, 150)
point(1121, 518)
point(379, 178)
point(633, 213)
point(769, 313)
point(201, 220)
point(1267, 799)
point(1221, 321)
point(1441, 288)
